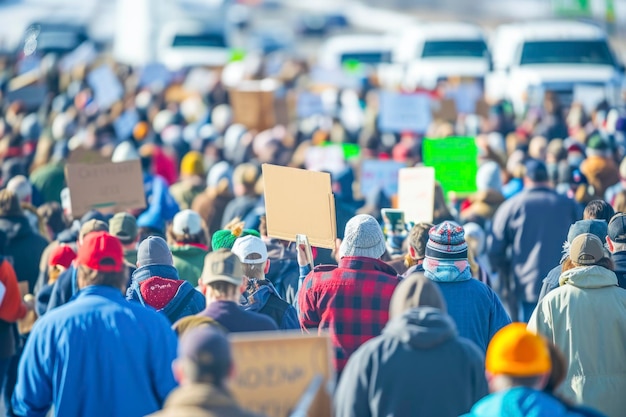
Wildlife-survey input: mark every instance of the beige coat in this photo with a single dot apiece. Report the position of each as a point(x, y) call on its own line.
point(586, 319)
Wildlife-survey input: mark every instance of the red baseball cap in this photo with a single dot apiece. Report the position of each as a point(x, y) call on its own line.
point(102, 252)
point(62, 255)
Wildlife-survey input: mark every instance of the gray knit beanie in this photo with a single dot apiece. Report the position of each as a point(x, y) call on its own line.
point(363, 237)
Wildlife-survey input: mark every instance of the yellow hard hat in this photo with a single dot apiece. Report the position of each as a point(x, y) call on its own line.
point(516, 351)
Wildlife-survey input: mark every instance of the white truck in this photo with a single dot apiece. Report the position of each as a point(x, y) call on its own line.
point(531, 59)
point(432, 52)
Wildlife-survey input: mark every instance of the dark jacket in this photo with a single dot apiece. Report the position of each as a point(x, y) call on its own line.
point(201, 400)
point(238, 207)
point(550, 282)
point(262, 298)
point(159, 287)
point(24, 246)
point(619, 259)
point(235, 319)
point(401, 372)
point(533, 226)
point(284, 271)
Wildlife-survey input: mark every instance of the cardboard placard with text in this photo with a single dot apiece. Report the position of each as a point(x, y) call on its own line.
point(274, 370)
point(110, 186)
point(416, 193)
point(298, 201)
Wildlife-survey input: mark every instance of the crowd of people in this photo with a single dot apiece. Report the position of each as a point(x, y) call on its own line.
point(509, 302)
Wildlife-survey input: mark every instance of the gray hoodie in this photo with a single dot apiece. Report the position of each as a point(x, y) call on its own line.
point(418, 366)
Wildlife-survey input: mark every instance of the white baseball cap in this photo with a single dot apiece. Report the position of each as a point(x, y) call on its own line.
point(246, 246)
point(187, 221)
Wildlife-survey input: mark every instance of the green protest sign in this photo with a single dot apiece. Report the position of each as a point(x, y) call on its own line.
point(572, 8)
point(455, 160)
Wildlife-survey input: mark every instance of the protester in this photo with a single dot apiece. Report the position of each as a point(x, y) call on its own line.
point(222, 284)
point(124, 227)
point(518, 367)
point(245, 177)
point(598, 209)
point(22, 188)
point(191, 182)
point(24, 245)
point(156, 283)
point(618, 186)
point(66, 285)
point(260, 294)
point(351, 300)
point(211, 203)
point(419, 339)
point(118, 362)
point(532, 226)
point(475, 308)
point(593, 226)
point(584, 318)
point(599, 167)
point(417, 240)
point(616, 242)
point(482, 205)
point(476, 241)
point(12, 308)
point(188, 241)
point(202, 369)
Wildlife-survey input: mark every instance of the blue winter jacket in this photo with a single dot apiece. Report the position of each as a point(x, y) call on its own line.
point(181, 301)
point(521, 401)
point(265, 300)
point(161, 205)
point(98, 355)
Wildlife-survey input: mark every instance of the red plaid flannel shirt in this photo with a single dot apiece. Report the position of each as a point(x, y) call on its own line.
point(351, 301)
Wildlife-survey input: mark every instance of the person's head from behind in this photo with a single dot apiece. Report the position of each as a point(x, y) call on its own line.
point(53, 218)
point(154, 251)
point(204, 357)
point(446, 249)
point(100, 261)
point(517, 358)
point(22, 188)
point(416, 291)
point(616, 237)
point(124, 227)
point(598, 209)
point(245, 178)
point(9, 204)
point(60, 259)
point(536, 173)
point(252, 253)
point(417, 240)
point(90, 226)
point(187, 228)
point(363, 237)
point(587, 250)
point(222, 277)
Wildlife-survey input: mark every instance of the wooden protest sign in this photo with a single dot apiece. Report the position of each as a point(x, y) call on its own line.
point(416, 193)
point(273, 371)
point(105, 186)
point(298, 201)
point(25, 325)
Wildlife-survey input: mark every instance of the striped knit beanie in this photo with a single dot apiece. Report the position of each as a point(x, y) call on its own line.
point(446, 241)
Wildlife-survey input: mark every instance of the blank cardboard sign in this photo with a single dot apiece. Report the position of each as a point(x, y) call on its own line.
point(298, 201)
point(416, 193)
point(110, 186)
point(273, 371)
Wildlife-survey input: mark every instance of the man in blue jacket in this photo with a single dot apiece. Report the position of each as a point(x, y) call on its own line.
point(97, 355)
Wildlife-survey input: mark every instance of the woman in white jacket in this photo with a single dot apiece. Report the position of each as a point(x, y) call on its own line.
point(586, 318)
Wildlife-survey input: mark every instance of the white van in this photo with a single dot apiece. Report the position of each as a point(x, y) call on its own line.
point(532, 58)
point(366, 49)
point(432, 52)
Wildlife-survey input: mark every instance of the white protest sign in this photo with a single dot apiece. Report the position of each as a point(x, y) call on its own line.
point(404, 112)
point(589, 96)
point(416, 193)
point(155, 76)
point(380, 175)
point(465, 96)
point(325, 158)
point(105, 85)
